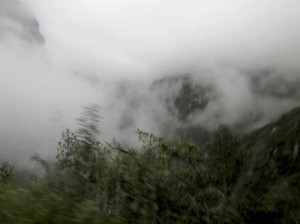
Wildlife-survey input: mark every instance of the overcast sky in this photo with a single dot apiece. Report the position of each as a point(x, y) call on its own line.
point(85, 47)
point(142, 35)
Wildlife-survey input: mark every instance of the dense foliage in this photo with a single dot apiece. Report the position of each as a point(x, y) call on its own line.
point(233, 179)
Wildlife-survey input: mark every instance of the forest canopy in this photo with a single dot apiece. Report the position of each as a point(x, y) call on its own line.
point(229, 179)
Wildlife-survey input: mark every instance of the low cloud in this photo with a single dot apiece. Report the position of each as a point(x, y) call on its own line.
point(240, 57)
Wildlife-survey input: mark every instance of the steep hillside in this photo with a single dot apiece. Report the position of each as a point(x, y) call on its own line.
point(271, 179)
point(279, 141)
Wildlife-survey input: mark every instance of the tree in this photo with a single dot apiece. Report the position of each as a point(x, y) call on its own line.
point(81, 154)
point(225, 158)
point(6, 173)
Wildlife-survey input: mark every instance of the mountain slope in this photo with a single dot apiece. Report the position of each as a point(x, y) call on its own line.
point(271, 180)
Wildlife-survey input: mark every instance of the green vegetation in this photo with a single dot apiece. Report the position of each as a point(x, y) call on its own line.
point(233, 179)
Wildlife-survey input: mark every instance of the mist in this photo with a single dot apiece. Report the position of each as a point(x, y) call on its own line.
point(57, 56)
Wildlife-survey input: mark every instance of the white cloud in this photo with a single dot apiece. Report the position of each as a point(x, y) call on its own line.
point(102, 42)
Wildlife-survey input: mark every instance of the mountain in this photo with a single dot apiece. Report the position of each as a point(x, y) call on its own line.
point(17, 21)
point(183, 99)
point(270, 182)
point(279, 142)
point(189, 97)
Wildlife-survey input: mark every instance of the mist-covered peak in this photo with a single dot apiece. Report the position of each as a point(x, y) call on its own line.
point(189, 97)
point(17, 21)
point(276, 84)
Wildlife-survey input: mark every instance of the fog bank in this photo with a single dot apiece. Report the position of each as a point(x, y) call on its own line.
point(133, 57)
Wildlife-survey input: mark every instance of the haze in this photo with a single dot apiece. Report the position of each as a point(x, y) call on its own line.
point(57, 56)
